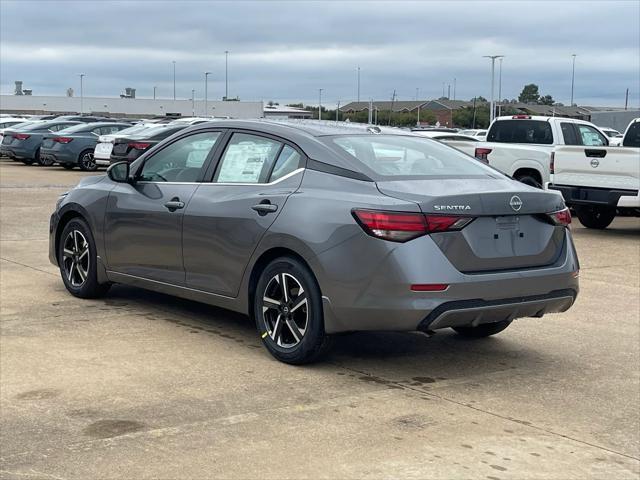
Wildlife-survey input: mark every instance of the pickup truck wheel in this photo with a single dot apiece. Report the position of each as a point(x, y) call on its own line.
point(529, 180)
point(595, 217)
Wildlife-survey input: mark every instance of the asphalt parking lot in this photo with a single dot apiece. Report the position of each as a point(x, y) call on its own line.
point(142, 385)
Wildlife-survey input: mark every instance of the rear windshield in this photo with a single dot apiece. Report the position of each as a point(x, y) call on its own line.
point(400, 156)
point(632, 137)
point(163, 132)
point(77, 128)
point(521, 131)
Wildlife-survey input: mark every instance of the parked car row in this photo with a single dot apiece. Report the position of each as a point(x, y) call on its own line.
point(71, 141)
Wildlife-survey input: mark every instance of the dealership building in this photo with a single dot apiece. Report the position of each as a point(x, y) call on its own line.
point(127, 107)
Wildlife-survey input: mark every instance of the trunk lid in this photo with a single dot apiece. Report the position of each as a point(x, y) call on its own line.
point(510, 229)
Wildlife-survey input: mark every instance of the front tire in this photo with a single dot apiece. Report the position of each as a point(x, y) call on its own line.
point(77, 259)
point(595, 217)
point(287, 308)
point(483, 330)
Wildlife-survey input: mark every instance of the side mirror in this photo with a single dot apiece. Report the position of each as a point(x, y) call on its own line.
point(119, 172)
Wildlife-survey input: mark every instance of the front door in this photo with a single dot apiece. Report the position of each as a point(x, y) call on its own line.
point(228, 216)
point(143, 221)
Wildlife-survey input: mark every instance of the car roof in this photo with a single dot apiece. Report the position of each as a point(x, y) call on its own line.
point(311, 128)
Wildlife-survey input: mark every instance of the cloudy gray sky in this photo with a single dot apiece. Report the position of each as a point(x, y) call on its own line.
point(285, 51)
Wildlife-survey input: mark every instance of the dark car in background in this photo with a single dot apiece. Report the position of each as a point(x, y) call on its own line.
point(74, 146)
point(129, 148)
point(24, 143)
point(85, 118)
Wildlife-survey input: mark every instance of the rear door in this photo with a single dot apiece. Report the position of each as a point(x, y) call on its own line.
point(143, 221)
point(228, 216)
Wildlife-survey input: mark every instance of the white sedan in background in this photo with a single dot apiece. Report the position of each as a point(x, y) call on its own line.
point(464, 143)
point(614, 136)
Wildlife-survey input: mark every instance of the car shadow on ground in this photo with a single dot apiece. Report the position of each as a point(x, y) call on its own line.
point(398, 356)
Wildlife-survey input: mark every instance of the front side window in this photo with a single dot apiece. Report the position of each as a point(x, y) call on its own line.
point(400, 156)
point(247, 159)
point(521, 131)
point(591, 137)
point(182, 161)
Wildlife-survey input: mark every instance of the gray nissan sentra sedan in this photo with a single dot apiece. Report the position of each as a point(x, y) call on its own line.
point(316, 228)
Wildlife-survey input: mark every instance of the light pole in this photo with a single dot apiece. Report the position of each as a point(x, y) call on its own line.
point(174, 80)
point(358, 83)
point(337, 110)
point(154, 92)
point(493, 81)
point(193, 103)
point(81, 75)
point(320, 103)
point(573, 76)
point(226, 74)
point(206, 83)
point(500, 87)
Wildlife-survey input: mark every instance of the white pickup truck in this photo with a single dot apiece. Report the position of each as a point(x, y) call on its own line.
point(521, 145)
point(600, 182)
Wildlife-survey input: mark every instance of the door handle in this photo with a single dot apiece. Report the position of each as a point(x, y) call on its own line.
point(264, 207)
point(595, 153)
point(174, 204)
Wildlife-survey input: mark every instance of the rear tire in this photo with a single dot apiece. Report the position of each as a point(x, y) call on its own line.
point(86, 162)
point(595, 217)
point(77, 259)
point(529, 180)
point(290, 320)
point(45, 162)
point(483, 330)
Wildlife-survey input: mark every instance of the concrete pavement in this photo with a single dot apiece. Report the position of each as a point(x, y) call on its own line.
point(143, 385)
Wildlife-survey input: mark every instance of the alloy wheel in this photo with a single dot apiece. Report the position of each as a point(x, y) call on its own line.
point(285, 310)
point(88, 162)
point(75, 258)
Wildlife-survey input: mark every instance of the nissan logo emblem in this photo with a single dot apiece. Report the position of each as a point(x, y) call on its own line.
point(595, 162)
point(515, 203)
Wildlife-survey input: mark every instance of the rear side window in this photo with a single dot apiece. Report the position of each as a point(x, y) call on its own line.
point(632, 137)
point(288, 161)
point(521, 131)
point(400, 156)
point(569, 134)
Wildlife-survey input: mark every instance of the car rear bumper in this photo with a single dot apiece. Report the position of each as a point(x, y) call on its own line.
point(362, 295)
point(476, 312)
point(576, 195)
point(57, 156)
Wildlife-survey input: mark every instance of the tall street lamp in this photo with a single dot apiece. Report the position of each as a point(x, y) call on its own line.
point(206, 83)
point(81, 75)
point(154, 92)
point(174, 79)
point(358, 83)
point(226, 74)
point(500, 88)
point(573, 76)
point(193, 103)
point(493, 81)
point(320, 103)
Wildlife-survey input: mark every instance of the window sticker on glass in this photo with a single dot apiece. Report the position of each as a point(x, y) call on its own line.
point(247, 159)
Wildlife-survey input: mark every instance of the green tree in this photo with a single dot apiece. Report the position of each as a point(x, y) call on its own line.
point(463, 117)
point(529, 94)
point(546, 100)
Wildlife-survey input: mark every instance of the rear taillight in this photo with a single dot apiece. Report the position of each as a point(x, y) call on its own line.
point(561, 217)
point(552, 162)
point(21, 136)
point(401, 227)
point(482, 154)
point(62, 139)
point(139, 145)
